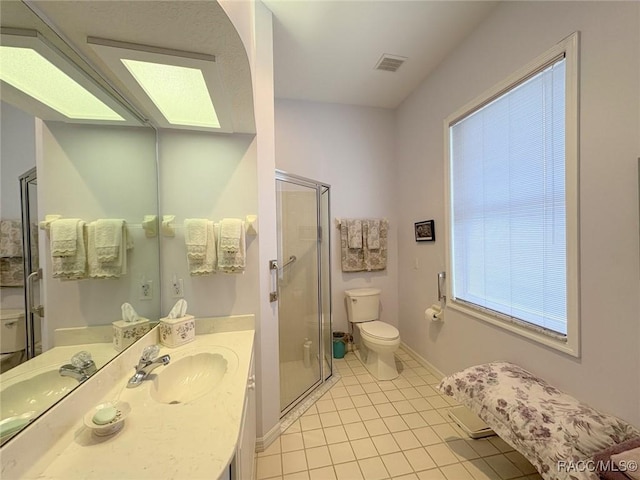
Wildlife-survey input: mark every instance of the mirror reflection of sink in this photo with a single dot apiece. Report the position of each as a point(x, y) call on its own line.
point(34, 393)
point(189, 377)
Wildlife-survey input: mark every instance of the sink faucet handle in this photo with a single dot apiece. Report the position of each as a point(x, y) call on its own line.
point(150, 353)
point(81, 359)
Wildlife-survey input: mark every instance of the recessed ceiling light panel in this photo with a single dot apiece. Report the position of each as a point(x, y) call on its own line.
point(28, 71)
point(180, 93)
point(31, 69)
point(177, 89)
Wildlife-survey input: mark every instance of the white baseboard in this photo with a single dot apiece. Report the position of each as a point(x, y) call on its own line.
point(421, 360)
point(262, 443)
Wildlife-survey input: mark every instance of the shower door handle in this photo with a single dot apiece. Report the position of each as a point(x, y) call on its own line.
point(39, 310)
point(273, 294)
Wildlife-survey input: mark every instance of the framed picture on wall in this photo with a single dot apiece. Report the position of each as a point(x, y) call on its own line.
point(425, 231)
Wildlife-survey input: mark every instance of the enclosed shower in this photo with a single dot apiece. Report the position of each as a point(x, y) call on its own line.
point(304, 287)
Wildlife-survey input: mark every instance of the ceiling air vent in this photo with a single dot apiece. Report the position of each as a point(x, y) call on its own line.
point(390, 63)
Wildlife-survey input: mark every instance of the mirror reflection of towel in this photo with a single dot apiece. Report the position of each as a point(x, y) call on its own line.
point(195, 237)
point(10, 238)
point(114, 268)
point(72, 267)
point(64, 237)
point(230, 231)
point(108, 239)
point(232, 261)
point(205, 265)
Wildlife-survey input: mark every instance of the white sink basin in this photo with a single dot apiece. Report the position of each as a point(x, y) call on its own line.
point(34, 393)
point(190, 377)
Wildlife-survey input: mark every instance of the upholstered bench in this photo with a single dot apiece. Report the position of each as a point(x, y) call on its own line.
point(553, 430)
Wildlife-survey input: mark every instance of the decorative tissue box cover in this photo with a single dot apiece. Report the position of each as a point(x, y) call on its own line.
point(125, 333)
point(177, 331)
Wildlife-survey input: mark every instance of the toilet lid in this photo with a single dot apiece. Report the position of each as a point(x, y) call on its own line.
point(380, 330)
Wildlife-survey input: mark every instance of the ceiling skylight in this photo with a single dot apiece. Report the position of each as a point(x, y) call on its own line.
point(180, 93)
point(30, 72)
point(176, 89)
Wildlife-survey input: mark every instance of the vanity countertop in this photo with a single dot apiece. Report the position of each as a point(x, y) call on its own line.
point(196, 439)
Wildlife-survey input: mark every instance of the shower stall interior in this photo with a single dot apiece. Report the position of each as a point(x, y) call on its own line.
point(304, 287)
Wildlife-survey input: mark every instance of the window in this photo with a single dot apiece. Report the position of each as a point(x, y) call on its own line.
point(512, 202)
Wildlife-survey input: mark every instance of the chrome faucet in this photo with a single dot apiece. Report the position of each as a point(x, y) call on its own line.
point(149, 361)
point(80, 368)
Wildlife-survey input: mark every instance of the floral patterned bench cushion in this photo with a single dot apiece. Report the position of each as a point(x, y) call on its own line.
point(549, 427)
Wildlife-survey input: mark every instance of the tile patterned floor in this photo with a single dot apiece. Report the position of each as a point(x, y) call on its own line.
point(375, 430)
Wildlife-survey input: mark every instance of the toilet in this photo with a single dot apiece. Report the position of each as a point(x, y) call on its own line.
point(378, 340)
point(12, 338)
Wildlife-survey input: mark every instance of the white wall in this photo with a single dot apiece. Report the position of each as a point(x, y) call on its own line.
point(254, 24)
point(17, 156)
point(606, 373)
point(92, 172)
point(267, 370)
point(211, 176)
point(352, 149)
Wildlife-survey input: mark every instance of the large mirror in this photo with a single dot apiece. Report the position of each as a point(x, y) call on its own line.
point(103, 172)
point(109, 170)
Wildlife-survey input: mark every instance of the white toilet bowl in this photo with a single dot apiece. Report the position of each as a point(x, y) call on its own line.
point(378, 340)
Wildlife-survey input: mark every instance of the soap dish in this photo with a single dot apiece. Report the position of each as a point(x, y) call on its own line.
point(122, 410)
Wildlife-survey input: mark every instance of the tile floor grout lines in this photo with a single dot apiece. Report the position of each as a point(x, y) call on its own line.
point(364, 429)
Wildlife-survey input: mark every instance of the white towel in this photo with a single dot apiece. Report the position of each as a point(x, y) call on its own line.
point(108, 239)
point(64, 237)
point(113, 269)
point(354, 233)
point(233, 262)
point(231, 229)
point(207, 264)
point(72, 267)
point(373, 234)
point(195, 237)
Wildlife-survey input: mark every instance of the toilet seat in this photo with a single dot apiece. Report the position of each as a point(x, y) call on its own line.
point(379, 330)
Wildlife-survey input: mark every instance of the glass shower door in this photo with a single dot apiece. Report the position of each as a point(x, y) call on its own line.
point(302, 352)
point(34, 311)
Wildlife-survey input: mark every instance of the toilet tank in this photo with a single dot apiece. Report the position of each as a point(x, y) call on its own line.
point(363, 304)
point(12, 331)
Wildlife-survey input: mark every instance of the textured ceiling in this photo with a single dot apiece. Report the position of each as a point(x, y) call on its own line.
point(323, 50)
point(327, 50)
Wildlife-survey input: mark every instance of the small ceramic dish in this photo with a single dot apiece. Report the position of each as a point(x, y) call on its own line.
point(120, 411)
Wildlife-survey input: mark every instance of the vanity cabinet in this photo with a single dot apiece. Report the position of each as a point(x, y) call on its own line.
point(243, 462)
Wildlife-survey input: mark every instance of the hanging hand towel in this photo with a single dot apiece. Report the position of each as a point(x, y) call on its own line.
point(64, 237)
point(72, 267)
point(232, 262)
point(206, 265)
point(108, 239)
point(113, 269)
point(231, 229)
point(376, 259)
point(10, 238)
point(352, 259)
point(373, 234)
point(195, 237)
point(354, 233)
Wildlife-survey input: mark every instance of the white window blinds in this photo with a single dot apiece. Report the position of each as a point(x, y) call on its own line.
point(508, 215)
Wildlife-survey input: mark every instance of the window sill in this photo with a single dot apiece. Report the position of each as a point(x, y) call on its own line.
point(568, 345)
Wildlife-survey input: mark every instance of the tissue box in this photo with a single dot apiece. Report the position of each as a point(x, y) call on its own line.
point(125, 333)
point(177, 331)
